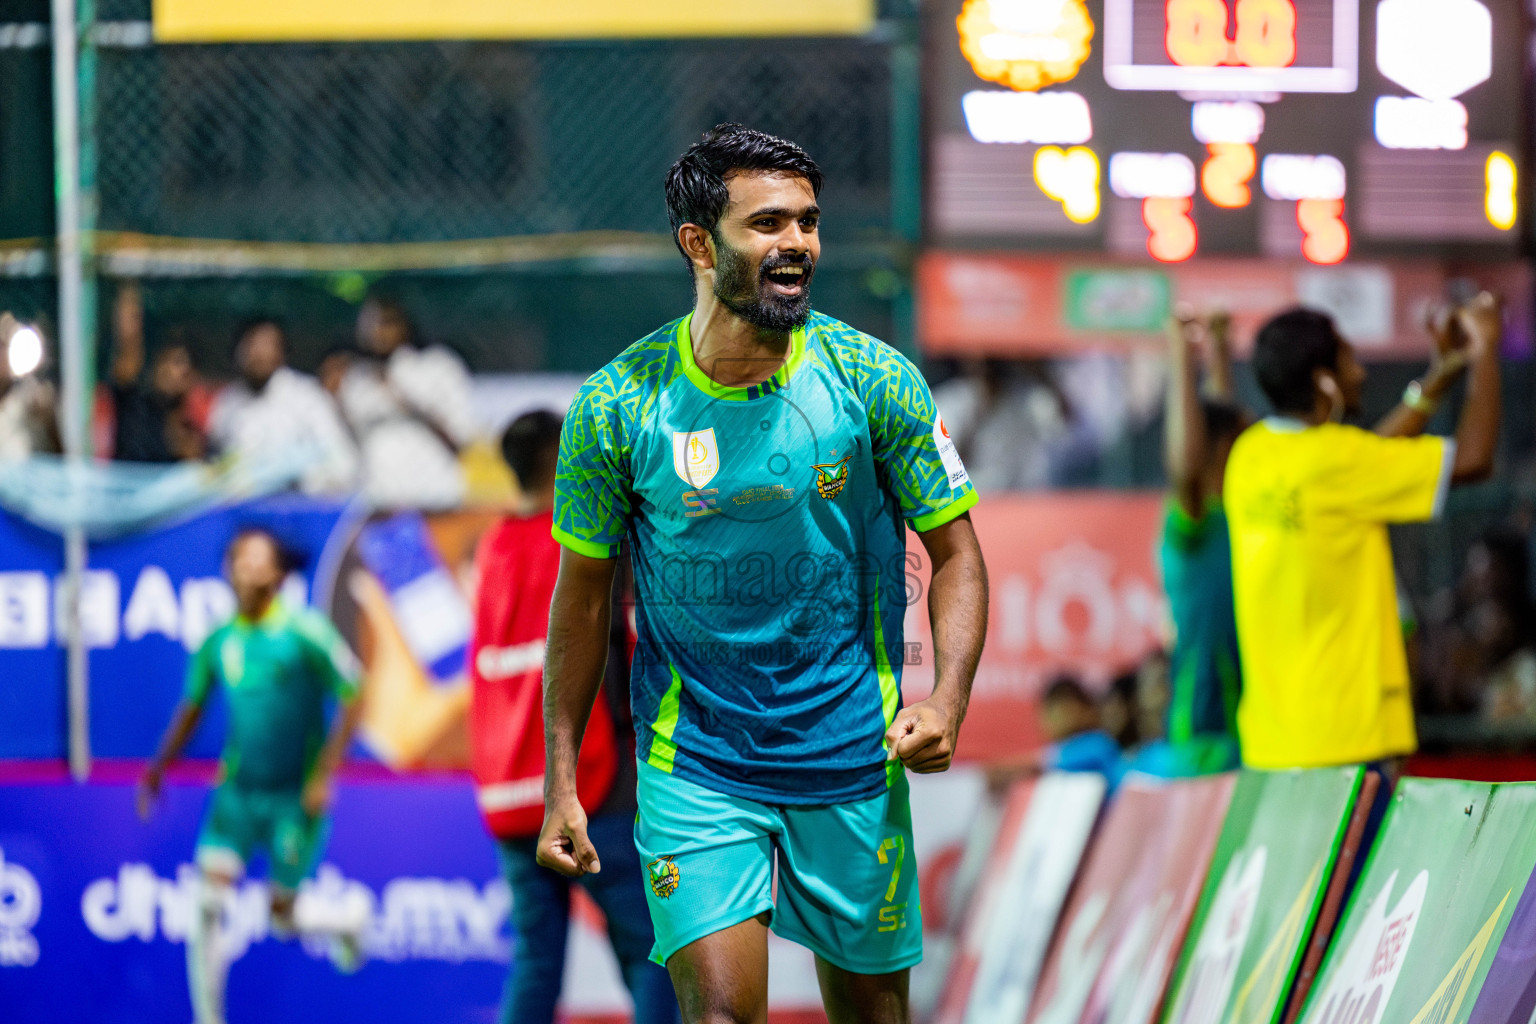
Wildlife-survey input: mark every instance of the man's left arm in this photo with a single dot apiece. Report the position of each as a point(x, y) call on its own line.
point(924, 735)
point(340, 670)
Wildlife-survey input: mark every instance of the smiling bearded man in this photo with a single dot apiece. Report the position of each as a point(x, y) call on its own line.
point(764, 463)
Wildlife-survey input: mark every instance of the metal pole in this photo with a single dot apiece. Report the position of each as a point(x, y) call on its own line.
point(74, 191)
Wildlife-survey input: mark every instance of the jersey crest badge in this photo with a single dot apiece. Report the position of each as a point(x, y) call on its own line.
point(664, 877)
point(831, 476)
point(695, 456)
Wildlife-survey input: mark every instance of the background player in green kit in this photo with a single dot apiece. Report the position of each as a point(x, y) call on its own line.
point(764, 463)
point(277, 666)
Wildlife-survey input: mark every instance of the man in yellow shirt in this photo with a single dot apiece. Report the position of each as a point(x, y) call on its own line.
point(1325, 676)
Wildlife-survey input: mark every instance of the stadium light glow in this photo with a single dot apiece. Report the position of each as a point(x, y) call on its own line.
point(1171, 235)
point(1436, 48)
point(1216, 121)
point(1325, 237)
point(24, 352)
point(1025, 44)
point(1294, 177)
point(1071, 177)
point(1225, 175)
point(1412, 122)
point(1038, 117)
point(1500, 200)
point(1151, 175)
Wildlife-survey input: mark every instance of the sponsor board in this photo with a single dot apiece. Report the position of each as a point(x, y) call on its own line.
point(1272, 866)
point(1045, 828)
point(1419, 933)
point(1114, 950)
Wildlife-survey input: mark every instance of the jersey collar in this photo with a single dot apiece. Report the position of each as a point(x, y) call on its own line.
point(276, 613)
point(704, 383)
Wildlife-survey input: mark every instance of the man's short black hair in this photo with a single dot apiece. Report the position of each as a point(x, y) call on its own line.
point(1223, 420)
point(1066, 688)
point(1286, 353)
point(530, 444)
point(696, 186)
point(287, 561)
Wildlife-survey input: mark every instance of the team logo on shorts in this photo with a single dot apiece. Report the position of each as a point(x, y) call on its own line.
point(831, 476)
point(664, 877)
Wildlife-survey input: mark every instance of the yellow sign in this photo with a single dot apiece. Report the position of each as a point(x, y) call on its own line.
point(256, 21)
point(1025, 44)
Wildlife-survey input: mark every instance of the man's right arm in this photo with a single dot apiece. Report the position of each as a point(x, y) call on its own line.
point(580, 615)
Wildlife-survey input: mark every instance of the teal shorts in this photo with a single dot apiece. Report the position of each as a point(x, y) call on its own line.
point(847, 876)
point(241, 821)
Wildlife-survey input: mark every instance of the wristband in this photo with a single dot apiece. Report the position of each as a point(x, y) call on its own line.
point(1415, 399)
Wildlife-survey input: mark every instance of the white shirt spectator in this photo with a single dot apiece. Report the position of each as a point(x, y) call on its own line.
point(412, 413)
point(292, 413)
point(25, 410)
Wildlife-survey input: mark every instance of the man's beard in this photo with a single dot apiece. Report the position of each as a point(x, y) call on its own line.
point(750, 297)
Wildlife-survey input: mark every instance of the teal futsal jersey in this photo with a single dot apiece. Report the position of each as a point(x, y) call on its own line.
point(767, 527)
point(276, 674)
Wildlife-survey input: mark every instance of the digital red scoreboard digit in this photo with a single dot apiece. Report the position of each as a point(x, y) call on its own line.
point(1311, 129)
point(1247, 46)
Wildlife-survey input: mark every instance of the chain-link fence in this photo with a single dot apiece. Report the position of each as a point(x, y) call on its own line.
point(509, 192)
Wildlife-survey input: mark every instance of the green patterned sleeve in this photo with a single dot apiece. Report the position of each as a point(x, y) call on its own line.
point(917, 459)
point(592, 485)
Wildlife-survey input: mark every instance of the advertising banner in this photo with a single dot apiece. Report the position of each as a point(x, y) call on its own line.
point(978, 303)
point(1045, 828)
point(1509, 991)
point(1442, 882)
point(94, 911)
point(1272, 865)
point(224, 21)
point(1075, 587)
point(1115, 949)
point(95, 905)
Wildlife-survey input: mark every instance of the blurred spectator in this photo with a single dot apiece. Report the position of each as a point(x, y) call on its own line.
point(1078, 743)
point(1478, 650)
point(156, 418)
point(410, 409)
point(1118, 712)
point(1325, 676)
point(29, 422)
point(1005, 418)
point(273, 409)
point(516, 564)
point(1204, 678)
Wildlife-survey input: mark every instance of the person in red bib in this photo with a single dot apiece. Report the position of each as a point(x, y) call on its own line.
point(516, 565)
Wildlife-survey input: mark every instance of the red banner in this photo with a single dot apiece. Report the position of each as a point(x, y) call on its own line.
point(1075, 587)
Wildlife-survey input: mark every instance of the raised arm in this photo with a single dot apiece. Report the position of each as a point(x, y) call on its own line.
point(1218, 330)
point(577, 653)
point(1184, 427)
point(925, 734)
point(1411, 415)
point(1477, 435)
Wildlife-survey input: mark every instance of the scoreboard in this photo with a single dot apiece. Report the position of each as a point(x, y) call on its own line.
point(1306, 129)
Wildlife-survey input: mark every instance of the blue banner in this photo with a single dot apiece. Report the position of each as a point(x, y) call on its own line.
point(94, 908)
point(147, 600)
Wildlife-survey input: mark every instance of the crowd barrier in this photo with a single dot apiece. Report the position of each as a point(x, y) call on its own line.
point(1249, 883)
